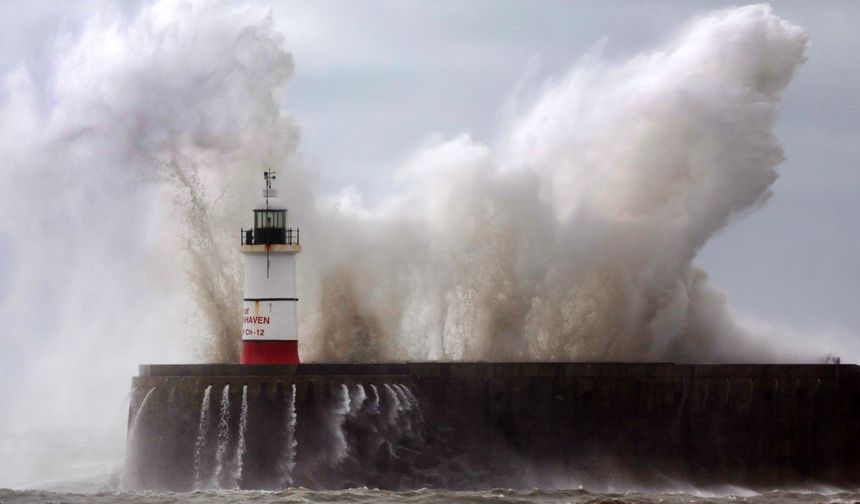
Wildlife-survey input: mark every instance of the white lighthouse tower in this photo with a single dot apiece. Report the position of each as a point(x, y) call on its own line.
point(269, 322)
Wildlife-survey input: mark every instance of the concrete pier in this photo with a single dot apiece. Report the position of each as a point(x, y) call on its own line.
point(482, 425)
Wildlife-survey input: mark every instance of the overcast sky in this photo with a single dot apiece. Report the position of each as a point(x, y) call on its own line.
point(375, 80)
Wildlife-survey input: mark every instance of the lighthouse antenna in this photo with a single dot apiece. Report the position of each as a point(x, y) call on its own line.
point(269, 176)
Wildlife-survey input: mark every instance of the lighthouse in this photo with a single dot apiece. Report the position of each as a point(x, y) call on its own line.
point(269, 321)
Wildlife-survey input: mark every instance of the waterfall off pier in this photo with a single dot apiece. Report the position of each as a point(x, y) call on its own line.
point(485, 425)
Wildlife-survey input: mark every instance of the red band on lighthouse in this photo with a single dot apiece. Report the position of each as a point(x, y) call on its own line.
point(270, 352)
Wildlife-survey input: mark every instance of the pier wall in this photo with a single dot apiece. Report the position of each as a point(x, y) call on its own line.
point(480, 425)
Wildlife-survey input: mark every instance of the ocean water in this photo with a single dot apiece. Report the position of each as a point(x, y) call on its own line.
point(425, 496)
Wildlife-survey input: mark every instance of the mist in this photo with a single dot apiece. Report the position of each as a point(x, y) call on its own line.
point(573, 236)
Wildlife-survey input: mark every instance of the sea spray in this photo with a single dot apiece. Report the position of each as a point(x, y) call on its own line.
point(291, 448)
point(340, 446)
point(575, 238)
point(394, 405)
point(405, 396)
point(239, 460)
point(415, 405)
point(186, 88)
point(412, 398)
point(129, 479)
point(200, 444)
point(357, 401)
point(416, 416)
point(647, 157)
point(405, 407)
point(374, 404)
point(132, 431)
point(223, 436)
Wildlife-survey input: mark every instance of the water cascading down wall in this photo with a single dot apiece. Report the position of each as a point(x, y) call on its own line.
point(482, 425)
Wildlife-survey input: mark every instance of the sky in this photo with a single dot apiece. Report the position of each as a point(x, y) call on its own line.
point(374, 81)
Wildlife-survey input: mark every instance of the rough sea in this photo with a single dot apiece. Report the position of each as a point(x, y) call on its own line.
point(428, 496)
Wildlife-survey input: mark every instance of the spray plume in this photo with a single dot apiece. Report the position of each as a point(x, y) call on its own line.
point(575, 237)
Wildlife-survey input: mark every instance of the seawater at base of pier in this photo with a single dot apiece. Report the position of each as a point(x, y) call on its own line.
point(486, 425)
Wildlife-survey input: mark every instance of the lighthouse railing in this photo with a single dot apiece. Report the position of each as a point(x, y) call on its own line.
point(265, 236)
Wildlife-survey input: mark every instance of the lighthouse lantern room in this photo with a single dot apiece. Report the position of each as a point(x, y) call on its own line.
point(269, 319)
